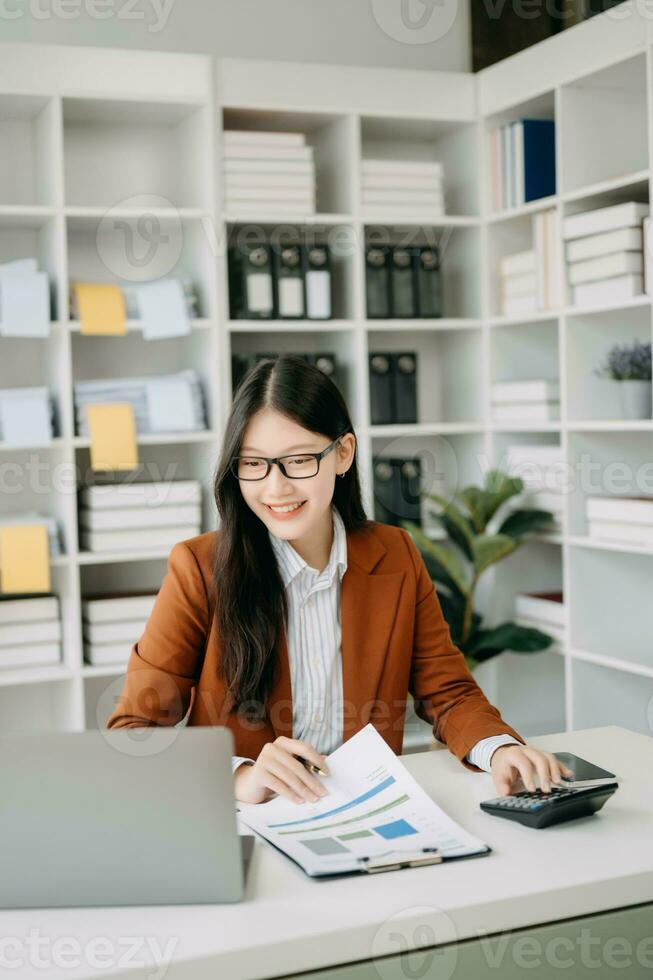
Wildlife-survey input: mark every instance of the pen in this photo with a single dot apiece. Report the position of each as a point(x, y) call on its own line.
point(311, 766)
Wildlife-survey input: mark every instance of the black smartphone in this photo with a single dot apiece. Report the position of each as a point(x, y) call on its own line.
point(581, 768)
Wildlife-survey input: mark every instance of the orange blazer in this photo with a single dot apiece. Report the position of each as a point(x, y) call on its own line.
point(395, 640)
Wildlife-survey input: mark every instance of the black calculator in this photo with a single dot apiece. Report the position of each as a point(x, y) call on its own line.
point(539, 809)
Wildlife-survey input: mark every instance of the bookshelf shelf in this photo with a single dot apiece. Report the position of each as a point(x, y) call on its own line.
point(77, 173)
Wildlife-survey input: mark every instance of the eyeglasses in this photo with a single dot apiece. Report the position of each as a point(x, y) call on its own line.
point(298, 466)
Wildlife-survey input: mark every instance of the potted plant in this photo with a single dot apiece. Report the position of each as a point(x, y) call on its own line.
point(471, 547)
point(631, 367)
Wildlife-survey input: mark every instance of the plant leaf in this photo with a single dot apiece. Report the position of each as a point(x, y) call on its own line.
point(511, 636)
point(499, 487)
point(526, 521)
point(490, 548)
point(462, 523)
point(442, 559)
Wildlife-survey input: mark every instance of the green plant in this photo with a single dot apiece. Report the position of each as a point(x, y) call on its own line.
point(627, 363)
point(457, 564)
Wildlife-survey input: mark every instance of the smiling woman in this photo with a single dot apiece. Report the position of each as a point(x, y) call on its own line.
point(300, 621)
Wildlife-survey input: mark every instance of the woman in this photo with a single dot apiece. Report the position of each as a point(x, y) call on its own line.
point(300, 621)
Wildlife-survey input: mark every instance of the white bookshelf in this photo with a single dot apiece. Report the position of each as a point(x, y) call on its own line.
point(84, 161)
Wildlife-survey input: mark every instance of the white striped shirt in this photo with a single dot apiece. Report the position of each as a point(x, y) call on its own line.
point(314, 649)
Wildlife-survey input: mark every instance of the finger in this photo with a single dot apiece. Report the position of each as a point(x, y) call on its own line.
point(542, 764)
point(556, 768)
point(292, 780)
point(307, 751)
point(525, 767)
point(277, 786)
point(295, 766)
point(503, 784)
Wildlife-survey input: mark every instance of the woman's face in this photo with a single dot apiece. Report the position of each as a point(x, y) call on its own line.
point(270, 433)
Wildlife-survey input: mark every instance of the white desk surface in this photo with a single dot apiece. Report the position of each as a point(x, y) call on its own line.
point(289, 923)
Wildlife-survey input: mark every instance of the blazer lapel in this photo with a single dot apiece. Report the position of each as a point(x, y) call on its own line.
point(368, 606)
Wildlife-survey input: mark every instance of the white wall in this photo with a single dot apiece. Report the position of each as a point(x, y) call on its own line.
point(352, 32)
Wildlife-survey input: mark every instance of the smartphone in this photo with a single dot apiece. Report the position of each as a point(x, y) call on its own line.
point(583, 770)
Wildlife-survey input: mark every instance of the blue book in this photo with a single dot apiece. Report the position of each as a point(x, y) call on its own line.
point(539, 158)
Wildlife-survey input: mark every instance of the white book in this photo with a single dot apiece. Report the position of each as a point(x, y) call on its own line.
point(648, 255)
point(548, 607)
point(619, 240)
point(245, 151)
point(555, 258)
point(540, 454)
point(163, 309)
point(267, 193)
point(105, 654)
point(604, 219)
point(521, 285)
point(616, 289)
point(401, 213)
point(413, 196)
point(249, 181)
point(519, 305)
point(43, 631)
point(525, 391)
point(518, 263)
point(31, 655)
point(125, 631)
point(541, 287)
point(29, 610)
point(394, 181)
point(630, 510)
point(260, 137)
point(108, 541)
point(551, 500)
point(526, 412)
point(148, 494)
point(639, 534)
point(268, 167)
point(605, 266)
point(410, 167)
point(281, 209)
point(107, 609)
point(557, 632)
point(123, 518)
point(518, 150)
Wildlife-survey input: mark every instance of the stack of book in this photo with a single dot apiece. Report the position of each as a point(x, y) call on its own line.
point(545, 611)
point(543, 472)
point(30, 632)
point(268, 172)
point(604, 254)
point(112, 624)
point(24, 299)
point(32, 517)
point(525, 401)
point(522, 162)
point(402, 189)
point(139, 516)
point(26, 417)
point(628, 520)
point(161, 403)
point(529, 279)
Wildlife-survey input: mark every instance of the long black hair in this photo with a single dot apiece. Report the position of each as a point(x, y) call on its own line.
point(250, 597)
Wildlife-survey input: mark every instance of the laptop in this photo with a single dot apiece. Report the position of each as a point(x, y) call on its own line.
point(130, 816)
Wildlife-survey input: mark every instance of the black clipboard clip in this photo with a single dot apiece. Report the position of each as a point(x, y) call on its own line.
point(400, 859)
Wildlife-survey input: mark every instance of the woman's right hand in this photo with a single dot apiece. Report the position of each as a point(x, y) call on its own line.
point(278, 771)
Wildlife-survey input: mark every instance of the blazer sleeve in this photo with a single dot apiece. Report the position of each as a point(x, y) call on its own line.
point(164, 663)
point(445, 692)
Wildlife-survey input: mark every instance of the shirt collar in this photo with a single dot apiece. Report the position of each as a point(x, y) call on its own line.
point(291, 563)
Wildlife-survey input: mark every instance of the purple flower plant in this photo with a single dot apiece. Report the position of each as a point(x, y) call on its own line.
point(627, 363)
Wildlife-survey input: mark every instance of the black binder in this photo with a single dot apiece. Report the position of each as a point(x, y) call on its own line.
point(251, 283)
point(409, 483)
point(382, 396)
point(429, 300)
point(316, 264)
point(377, 281)
point(288, 282)
point(404, 373)
point(326, 362)
point(385, 487)
point(403, 289)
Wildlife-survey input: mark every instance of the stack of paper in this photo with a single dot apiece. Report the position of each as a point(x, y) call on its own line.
point(545, 611)
point(30, 632)
point(138, 516)
point(26, 417)
point(529, 279)
point(137, 294)
point(402, 189)
point(24, 299)
point(161, 403)
point(268, 173)
point(112, 624)
point(30, 517)
point(543, 472)
point(604, 254)
point(628, 520)
point(520, 401)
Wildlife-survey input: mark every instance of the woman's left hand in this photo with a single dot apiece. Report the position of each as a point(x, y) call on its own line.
point(509, 762)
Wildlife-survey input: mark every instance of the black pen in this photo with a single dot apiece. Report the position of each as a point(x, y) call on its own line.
point(311, 766)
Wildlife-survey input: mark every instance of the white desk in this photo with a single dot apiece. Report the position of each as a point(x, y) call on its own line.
point(290, 924)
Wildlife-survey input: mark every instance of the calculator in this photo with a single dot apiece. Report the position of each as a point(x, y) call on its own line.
point(539, 809)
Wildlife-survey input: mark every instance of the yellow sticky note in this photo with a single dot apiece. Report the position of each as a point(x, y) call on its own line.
point(24, 558)
point(101, 308)
point(113, 436)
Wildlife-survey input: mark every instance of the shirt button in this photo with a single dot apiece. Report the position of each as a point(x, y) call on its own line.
point(310, 601)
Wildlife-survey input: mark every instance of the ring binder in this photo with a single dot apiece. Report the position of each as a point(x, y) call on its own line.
point(429, 855)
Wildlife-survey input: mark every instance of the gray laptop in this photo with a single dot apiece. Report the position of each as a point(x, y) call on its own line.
point(132, 816)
